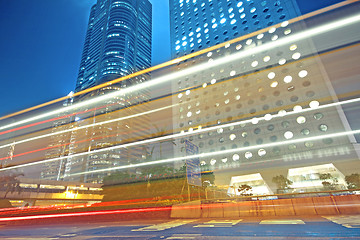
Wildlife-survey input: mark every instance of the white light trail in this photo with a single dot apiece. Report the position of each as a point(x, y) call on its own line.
point(201, 155)
point(198, 131)
point(86, 126)
point(173, 136)
point(201, 67)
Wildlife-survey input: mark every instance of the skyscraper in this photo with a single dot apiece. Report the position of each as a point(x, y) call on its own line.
point(198, 24)
point(117, 43)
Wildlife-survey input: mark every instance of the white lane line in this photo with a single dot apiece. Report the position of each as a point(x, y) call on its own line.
point(184, 236)
point(346, 221)
point(218, 223)
point(163, 226)
point(288, 221)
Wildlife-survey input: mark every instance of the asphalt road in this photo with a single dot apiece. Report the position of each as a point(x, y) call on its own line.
point(336, 227)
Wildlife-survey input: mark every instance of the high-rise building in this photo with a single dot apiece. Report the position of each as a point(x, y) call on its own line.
point(117, 43)
point(261, 106)
point(58, 144)
point(199, 24)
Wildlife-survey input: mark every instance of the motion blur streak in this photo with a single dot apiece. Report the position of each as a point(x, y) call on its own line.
point(333, 135)
point(177, 60)
point(87, 126)
point(157, 139)
point(56, 146)
point(53, 119)
point(242, 54)
point(79, 214)
point(45, 121)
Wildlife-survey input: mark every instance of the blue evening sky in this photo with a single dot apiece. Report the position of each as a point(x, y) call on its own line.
point(41, 44)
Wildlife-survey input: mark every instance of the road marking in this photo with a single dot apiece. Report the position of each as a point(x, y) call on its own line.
point(218, 223)
point(346, 221)
point(68, 235)
point(184, 236)
point(164, 226)
point(288, 221)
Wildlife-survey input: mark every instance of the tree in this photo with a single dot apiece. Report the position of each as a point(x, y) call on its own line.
point(329, 182)
point(153, 170)
point(244, 190)
point(353, 181)
point(281, 182)
point(10, 183)
point(207, 179)
point(116, 177)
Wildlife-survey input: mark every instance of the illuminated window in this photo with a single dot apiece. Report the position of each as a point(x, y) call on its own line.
point(248, 155)
point(303, 73)
point(301, 119)
point(271, 75)
point(288, 135)
point(274, 84)
point(314, 104)
point(287, 79)
point(296, 56)
point(232, 137)
point(261, 152)
point(254, 63)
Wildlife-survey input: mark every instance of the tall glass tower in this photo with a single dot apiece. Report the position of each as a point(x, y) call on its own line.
point(199, 24)
point(117, 43)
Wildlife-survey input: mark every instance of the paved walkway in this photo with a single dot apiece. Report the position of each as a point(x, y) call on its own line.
point(329, 227)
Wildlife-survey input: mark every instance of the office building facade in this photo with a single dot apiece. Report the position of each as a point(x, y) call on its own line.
point(196, 24)
point(117, 42)
point(259, 107)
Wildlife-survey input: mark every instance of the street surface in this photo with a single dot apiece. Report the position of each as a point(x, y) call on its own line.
point(327, 227)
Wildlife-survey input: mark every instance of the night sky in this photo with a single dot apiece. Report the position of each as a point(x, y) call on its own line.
point(41, 44)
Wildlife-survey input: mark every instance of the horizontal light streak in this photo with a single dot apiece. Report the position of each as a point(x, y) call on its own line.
point(178, 135)
point(181, 158)
point(161, 109)
point(201, 67)
point(81, 214)
point(183, 58)
point(45, 121)
point(57, 146)
point(87, 126)
point(201, 155)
